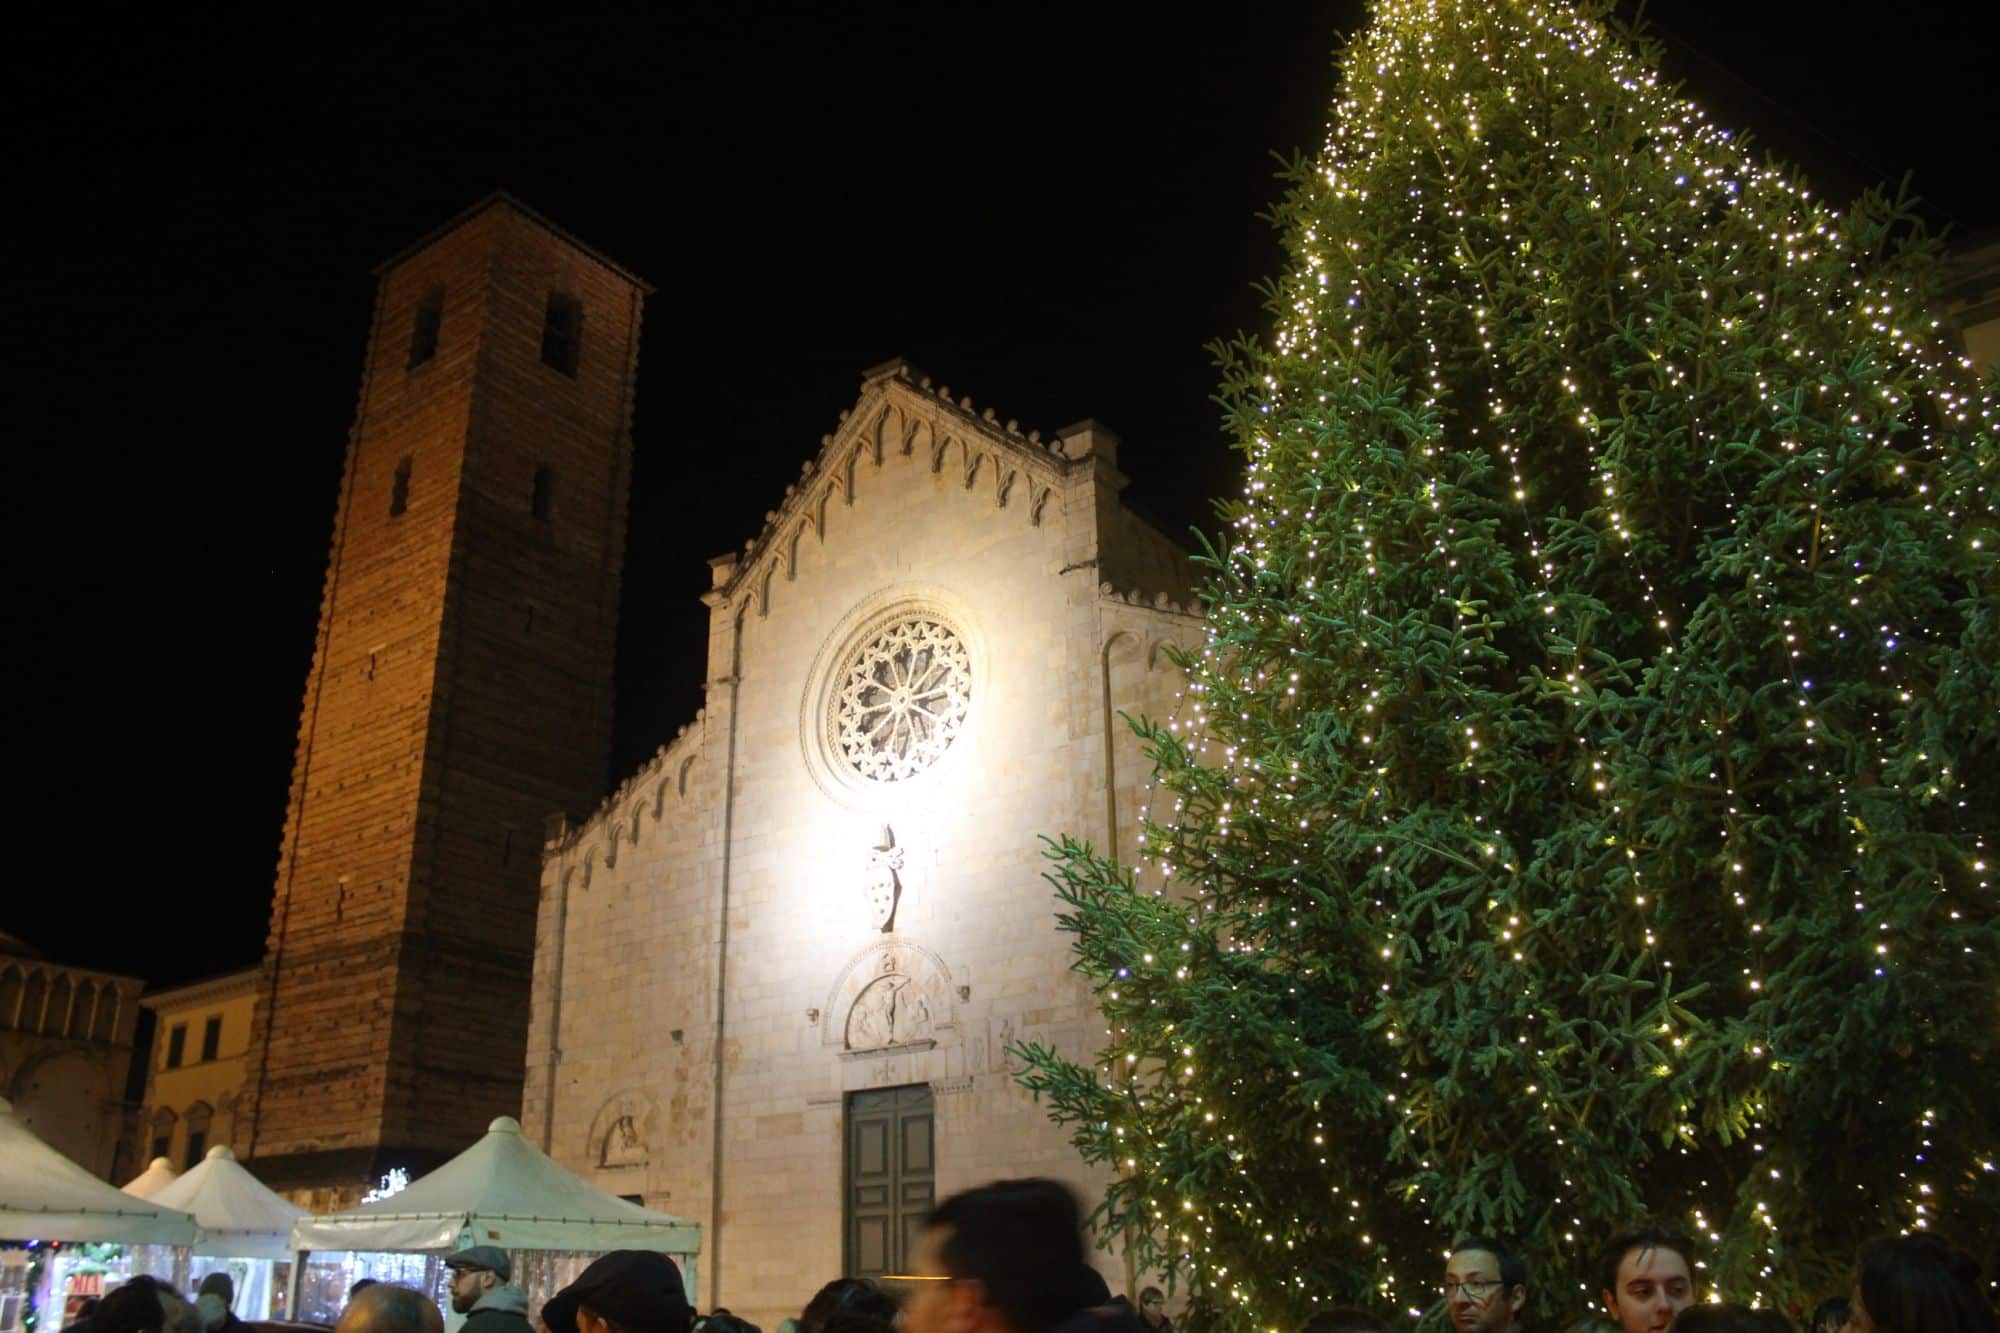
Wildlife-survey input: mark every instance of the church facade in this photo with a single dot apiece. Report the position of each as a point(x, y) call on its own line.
point(778, 971)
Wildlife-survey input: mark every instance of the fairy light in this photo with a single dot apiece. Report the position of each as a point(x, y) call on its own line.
point(1573, 719)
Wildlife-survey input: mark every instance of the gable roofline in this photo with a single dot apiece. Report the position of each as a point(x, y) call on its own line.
point(895, 385)
point(502, 199)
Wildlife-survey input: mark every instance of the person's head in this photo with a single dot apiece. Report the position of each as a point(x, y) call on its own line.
point(383, 1307)
point(1647, 1273)
point(145, 1304)
point(1152, 1305)
point(361, 1284)
point(625, 1291)
point(474, 1272)
point(1485, 1285)
point(1918, 1284)
point(1830, 1316)
point(218, 1285)
point(984, 1258)
point(1342, 1319)
point(722, 1321)
point(846, 1296)
point(1729, 1318)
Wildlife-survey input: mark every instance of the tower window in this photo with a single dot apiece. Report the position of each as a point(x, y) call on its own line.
point(424, 333)
point(177, 1040)
point(562, 332)
point(544, 501)
point(211, 1038)
point(399, 490)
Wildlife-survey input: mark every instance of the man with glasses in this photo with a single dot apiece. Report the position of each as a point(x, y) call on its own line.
point(1485, 1286)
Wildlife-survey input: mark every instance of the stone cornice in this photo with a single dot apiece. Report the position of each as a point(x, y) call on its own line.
point(206, 991)
point(607, 823)
point(1156, 602)
point(900, 414)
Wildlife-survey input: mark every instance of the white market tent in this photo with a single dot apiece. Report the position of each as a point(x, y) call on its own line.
point(500, 1191)
point(239, 1217)
point(45, 1196)
point(159, 1174)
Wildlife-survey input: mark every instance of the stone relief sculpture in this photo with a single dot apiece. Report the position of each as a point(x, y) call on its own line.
point(889, 996)
point(882, 882)
point(890, 1012)
point(619, 1132)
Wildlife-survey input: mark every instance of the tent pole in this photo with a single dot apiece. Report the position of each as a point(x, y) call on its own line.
point(294, 1283)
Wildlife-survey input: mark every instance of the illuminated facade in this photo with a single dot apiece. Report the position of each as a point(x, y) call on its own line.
point(194, 1074)
point(778, 971)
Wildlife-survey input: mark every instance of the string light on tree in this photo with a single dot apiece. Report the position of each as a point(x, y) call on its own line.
point(1585, 792)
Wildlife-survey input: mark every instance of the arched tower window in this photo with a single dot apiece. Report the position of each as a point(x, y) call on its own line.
point(562, 332)
point(543, 501)
point(424, 328)
point(399, 489)
point(10, 998)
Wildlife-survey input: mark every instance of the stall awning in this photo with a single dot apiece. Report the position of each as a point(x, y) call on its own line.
point(239, 1217)
point(45, 1196)
point(500, 1191)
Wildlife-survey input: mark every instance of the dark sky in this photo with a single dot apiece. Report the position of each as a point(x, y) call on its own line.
point(1050, 208)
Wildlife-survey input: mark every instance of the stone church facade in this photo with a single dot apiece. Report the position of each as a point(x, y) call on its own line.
point(777, 973)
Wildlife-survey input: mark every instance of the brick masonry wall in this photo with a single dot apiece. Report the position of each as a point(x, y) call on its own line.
point(459, 693)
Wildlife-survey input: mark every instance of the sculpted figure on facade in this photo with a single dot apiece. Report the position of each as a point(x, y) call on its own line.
point(882, 882)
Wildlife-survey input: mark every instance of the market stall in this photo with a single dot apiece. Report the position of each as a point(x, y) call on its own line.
point(245, 1231)
point(159, 1174)
point(500, 1191)
point(71, 1235)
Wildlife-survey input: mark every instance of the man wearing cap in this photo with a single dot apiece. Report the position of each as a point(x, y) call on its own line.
point(481, 1292)
point(625, 1291)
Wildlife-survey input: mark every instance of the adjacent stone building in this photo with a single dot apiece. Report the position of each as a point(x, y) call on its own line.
point(460, 690)
point(777, 973)
point(195, 1069)
point(65, 1053)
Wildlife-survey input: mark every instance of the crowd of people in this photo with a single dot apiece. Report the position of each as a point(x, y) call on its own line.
point(1010, 1257)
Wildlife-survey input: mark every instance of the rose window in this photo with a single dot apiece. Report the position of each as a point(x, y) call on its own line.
point(900, 700)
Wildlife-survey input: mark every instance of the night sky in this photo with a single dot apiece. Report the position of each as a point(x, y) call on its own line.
point(1052, 209)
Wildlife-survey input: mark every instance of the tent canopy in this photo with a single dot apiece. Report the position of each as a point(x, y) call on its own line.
point(159, 1173)
point(240, 1218)
point(500, 1191)
point(45, 1196)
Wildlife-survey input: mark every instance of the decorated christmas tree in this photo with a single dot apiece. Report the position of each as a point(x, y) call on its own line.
point(1585, 804)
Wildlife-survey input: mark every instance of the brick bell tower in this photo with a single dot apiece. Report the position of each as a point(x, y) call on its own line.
point(460, 693)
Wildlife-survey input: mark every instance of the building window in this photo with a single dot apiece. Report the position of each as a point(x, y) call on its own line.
point(562, 332)
point(424, 330)
point(543, 502)
point(177, 1041)
point(399, 489)
point(211, 1038)
point(198, 1117)
point(162, 1145)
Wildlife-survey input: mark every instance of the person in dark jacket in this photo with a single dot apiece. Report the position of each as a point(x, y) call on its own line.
point(213, 1300)
point(625, 1291)
point(482, 1292)
point(1009, 1258)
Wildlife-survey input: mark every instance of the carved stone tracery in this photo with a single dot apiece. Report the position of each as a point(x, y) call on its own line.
point(901, 698)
